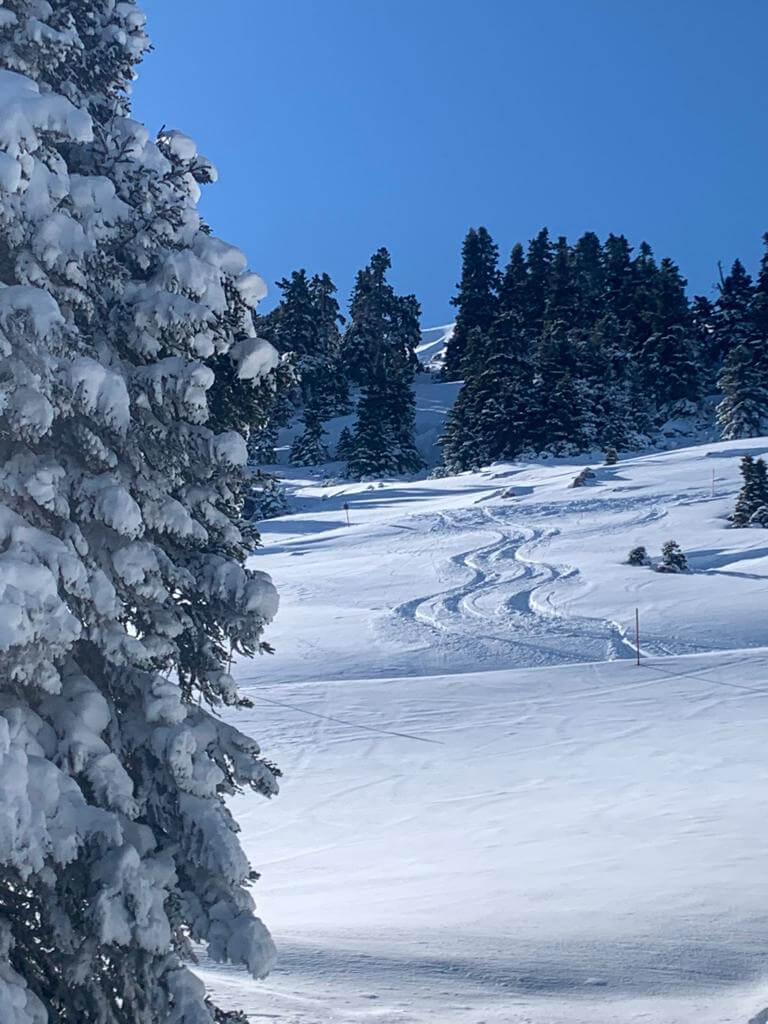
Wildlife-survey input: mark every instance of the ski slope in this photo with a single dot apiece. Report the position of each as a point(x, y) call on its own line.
point(490, 813)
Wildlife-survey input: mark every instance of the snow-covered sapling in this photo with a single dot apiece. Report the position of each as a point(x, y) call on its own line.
point(638, 556)
point(345, 445)
point(760, 517)
point(672, 558)
point(611, 456)
point(754, 490)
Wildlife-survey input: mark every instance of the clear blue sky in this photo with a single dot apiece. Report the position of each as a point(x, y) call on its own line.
point(339, 126)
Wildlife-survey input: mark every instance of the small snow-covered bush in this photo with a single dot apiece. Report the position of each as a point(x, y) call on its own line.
point(611, 457)
point(638, 556)
point(760, 517)
point(672, 558)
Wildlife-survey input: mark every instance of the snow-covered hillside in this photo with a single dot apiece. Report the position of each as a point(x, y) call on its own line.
point(432, 347)
point(490, 813)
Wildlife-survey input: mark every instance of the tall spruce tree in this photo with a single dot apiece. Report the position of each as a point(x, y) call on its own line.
point(464, 442)
point(559, 400)
point(539, 260)
point(561, 301)
point(379, 346)
point(741, 326)
point(589, 280)
point(491, 418)
point(668, 355)
point(477, 298)
point(309, 449)
point(122, 557)
point(743, 411)
point(642, 308)
point(306, 326)
point(369, 325)
point(732, 321)
point(513, 287)
point(329, 386)
point(702, 325)
point(619, 290)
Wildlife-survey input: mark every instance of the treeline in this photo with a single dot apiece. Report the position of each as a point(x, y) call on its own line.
point(576, 346)
point(336, 365)
point(567, 348)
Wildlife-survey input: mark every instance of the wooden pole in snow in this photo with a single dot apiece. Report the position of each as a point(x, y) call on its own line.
point(713, 483)
point(346, 509)
point(637, 634)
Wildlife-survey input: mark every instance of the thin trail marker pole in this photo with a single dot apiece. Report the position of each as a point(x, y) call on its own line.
point(713, 483)
point(637, 634)
point(345, 506)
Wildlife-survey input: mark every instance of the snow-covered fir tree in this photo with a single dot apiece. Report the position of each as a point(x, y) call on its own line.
point(330, 383)
point(731, 314)
point(370, 320)
point(753, 494)
point(491, 416)
point(344, 445)
point(379, 347)
point(122, 575)
point(742, 318)
point(743, 411)
point(672, 558)
point(309, 448)
point(539, 262)
point(306, 327)
point(465, 442)
point(476, 298)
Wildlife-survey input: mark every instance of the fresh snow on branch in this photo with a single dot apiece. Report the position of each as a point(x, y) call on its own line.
point(123, 583)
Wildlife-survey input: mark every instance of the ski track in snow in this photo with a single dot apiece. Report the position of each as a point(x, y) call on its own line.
point(506, 609)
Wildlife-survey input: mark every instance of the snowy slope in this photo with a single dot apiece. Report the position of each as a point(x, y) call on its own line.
point(433, 342)
point(489, 812)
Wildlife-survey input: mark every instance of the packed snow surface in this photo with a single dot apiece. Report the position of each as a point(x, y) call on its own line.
point(489, 812)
